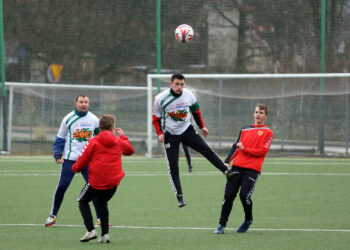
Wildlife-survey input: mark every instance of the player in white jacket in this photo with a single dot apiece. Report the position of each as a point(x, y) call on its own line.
point(172, 120)
point(76, 129)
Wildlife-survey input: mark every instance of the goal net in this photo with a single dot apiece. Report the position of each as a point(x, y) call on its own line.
point(36, 111)
point(309, 113)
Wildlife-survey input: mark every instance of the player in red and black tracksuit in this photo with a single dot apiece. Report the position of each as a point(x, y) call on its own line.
point(248, 153)
point(103, 155)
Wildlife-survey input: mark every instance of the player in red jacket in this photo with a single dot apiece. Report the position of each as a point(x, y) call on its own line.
point(103, 155)
point(248, 152)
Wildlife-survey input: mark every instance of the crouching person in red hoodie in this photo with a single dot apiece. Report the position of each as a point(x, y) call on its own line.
point(103, 155)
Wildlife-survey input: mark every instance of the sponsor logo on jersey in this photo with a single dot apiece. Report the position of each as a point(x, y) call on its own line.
point(179, 115)
point(82, 135)
point(181, 106)
point(260, 132)
point(85, 124)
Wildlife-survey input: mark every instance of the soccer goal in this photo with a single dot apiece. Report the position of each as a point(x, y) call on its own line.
point(308, 112)
point(35, 112)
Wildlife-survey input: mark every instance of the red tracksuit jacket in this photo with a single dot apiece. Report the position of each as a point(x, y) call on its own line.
point(256, 141)
point(103, 155)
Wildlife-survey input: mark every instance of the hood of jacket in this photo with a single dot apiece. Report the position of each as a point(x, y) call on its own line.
point(107, 138)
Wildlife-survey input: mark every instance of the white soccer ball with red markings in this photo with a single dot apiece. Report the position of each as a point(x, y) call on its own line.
point(184, 33)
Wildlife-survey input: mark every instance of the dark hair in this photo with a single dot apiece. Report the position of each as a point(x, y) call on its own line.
point(263, 107)
point(177, 76)
point(107, 122)
point(81, 95)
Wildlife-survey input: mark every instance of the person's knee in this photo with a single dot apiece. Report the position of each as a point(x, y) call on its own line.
point(173, 167)
point(101, 203)
point(229, 197)
point(245, 198)
point(83, 203)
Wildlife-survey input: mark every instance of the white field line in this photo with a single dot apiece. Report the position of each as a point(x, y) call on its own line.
point(30, 171)
point(141, 159)
point(149, 162)
point(316, 163)
point(128, 173)
point(194, 228)
point(302, 163)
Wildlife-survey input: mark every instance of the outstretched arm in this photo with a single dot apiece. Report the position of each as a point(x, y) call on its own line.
point(127, 148)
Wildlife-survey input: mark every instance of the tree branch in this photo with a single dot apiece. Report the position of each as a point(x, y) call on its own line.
point(222, 14)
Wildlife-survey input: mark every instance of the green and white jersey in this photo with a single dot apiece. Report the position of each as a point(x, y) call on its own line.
point(76, 131)
point(175, 111)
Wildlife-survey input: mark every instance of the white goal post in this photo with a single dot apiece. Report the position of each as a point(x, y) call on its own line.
point(300, 90)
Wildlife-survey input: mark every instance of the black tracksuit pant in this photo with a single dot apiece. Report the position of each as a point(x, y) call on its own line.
point(192, 139)
point(245, 181)
point(101, 197)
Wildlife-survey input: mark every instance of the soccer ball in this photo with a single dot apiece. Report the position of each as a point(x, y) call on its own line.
point(184, 33)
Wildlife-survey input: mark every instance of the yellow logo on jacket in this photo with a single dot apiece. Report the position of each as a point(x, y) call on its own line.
point(260, 132)
point(82, 135)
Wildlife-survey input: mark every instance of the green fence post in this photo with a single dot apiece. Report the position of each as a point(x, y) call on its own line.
point(321, 118)
point(159, 42)
point(4, 103)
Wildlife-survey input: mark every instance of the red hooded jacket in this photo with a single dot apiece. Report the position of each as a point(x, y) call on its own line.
point(103, 155)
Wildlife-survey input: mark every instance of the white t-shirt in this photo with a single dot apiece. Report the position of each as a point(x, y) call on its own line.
point(77, 131)
point(174, 111)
